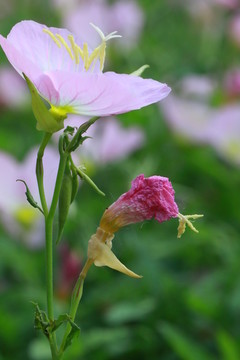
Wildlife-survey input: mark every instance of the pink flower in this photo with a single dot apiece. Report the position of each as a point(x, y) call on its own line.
point(69, 75)
point(125, 16)
point(148, 198)
point(13, 90)
point(18, 217)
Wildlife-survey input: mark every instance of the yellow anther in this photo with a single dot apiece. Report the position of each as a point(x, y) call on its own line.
point(53, 37)
point(80, 52)
point(61, 39)
point(74, 48)
point(184, 220)
point(85, 55)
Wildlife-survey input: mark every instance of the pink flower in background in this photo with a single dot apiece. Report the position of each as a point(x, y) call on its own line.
point(148, 198)
point(109, 141)
point(69, 75)
point(224, 133)
point(232, 83)
point(193, 118)
point(234, 29)
point(189, 114)
point(124, 16)
point(13, 90)
point(18, 217)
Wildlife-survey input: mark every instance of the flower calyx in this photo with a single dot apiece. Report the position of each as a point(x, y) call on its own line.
point(99, 251)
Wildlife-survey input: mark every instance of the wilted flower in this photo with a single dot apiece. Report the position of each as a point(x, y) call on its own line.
point(69, 75)
point(148, 198)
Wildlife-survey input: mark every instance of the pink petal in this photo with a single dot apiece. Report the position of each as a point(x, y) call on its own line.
point(100, 94)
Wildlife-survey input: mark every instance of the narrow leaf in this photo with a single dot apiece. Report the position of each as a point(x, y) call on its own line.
point(29, 197)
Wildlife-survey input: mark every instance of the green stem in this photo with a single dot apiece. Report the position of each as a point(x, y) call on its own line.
point(39, 172)
point(76, 297)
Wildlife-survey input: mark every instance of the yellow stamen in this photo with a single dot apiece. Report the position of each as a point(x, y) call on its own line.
point(53, 37)
point(74, 48)
point(61, 39)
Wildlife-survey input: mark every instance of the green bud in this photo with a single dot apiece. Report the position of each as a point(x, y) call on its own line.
point(48, 121)
point(65, 199)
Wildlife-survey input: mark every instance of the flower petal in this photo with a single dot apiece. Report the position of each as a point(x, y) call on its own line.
point(32, 43)
point(101, 94)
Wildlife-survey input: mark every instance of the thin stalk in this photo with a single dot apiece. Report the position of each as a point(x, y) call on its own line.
point(76, 297)
point(39, 172)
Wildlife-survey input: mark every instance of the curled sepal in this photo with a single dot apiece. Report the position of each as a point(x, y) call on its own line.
point(184, 220)
point(46, 121)
point(99, 250)
point(139, 71)
point(29, 196)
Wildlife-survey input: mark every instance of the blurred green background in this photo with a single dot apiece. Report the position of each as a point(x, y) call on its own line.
point(187, 305)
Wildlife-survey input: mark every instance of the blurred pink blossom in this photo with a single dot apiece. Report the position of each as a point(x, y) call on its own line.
point(224, 133)
point(191, 116)
point(232, 83)
point(148, 198)
point(234, 29)
point(18, 217)
point(124, 16)
point(109, 141)
point(13, 89)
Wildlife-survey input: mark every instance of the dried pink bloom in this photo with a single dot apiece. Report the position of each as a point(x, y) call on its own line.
point(148, 198)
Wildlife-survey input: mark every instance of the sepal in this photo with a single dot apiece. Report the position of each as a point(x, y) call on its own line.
point(139, 71)
point(101, 254)
point(46, 121)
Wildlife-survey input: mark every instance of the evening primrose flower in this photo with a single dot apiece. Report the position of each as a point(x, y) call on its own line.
point(69, 75)
point(148, 198)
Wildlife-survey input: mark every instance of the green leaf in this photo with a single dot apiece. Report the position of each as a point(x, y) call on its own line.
point(60, 320)
point(41, 321)
point(183, 346)
point(45, 120)
point(85, 177)
point(72, 335)
point(228, 346)
point(29, 196)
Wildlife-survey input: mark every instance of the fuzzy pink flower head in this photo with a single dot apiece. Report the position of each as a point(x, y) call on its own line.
point(148, 198)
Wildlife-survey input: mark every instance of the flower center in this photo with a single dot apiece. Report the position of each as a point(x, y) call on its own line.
point(77, 53)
